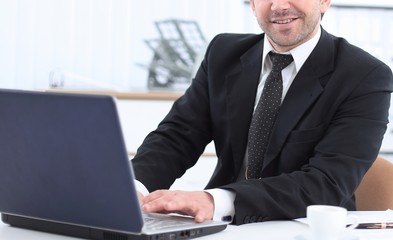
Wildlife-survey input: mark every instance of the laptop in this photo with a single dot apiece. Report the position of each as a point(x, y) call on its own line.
point(64, 169)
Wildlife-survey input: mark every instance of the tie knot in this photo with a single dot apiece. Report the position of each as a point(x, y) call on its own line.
point(280, 61)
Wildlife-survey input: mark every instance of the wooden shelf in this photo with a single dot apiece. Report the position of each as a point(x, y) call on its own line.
point(148, 95)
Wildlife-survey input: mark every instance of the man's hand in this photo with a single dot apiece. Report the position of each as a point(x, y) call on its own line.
point(140, 198)
point(198, 204)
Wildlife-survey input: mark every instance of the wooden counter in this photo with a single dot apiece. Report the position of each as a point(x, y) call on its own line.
point(126, 95)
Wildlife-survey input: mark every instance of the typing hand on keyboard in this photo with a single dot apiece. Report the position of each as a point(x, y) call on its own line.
point(198, 204)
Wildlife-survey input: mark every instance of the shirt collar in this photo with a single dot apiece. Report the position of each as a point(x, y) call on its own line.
point(299, 54)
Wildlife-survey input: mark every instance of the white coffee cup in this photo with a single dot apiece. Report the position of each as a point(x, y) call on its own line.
point(329, 222)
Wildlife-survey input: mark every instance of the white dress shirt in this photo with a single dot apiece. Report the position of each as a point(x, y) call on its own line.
point(224, 208)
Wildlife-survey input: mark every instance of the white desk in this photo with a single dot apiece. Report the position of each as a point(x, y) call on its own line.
point(273, 230)
point(268, 230)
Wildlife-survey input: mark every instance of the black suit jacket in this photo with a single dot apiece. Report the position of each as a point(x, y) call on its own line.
point(328, 131)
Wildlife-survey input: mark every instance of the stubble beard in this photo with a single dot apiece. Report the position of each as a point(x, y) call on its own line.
point(291, 38)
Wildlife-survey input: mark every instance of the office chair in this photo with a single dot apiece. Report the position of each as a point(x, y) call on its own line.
point(375, 192)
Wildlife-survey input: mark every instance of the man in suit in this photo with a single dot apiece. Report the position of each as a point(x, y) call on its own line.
point(327, 133)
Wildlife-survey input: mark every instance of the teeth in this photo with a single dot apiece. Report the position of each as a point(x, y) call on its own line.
point(284, 21)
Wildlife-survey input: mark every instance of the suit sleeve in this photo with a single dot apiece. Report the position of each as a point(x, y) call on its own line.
point(179, 139)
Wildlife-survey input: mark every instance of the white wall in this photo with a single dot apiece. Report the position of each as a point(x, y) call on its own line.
point(96, 43)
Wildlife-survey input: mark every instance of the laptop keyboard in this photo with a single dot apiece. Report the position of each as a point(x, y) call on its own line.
point(161, 223)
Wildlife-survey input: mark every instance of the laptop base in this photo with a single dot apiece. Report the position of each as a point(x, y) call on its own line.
point(99, 234)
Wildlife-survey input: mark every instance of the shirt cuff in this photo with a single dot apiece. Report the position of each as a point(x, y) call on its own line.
point(141, 188)
point(224, 208)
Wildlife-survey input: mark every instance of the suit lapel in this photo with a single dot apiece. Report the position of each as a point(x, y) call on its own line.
point(241, 87)
point(304, 90)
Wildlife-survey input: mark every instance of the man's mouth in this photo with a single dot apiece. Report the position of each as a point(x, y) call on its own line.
point(286, 21)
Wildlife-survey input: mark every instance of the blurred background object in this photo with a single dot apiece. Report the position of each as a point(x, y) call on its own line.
point(175, 54)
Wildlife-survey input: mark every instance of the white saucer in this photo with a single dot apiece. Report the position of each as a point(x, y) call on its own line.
point(345, 236)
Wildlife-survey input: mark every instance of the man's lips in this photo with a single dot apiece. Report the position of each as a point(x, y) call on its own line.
point(284, 21)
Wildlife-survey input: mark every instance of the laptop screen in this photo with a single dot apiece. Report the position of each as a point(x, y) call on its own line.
point(63, 158)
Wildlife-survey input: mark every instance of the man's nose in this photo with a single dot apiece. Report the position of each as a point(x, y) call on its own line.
point(278, 5)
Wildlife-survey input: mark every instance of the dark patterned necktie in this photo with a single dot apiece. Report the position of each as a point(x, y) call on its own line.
point(265, 115)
